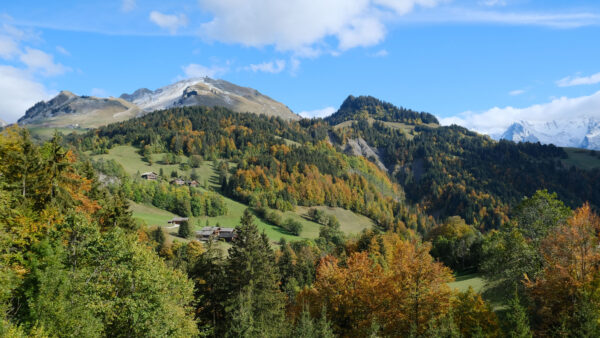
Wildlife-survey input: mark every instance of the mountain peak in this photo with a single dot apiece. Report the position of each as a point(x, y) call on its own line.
point(361, 107)
point(583, 132)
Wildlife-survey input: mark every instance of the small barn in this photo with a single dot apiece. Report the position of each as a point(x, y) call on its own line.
point(192, 183)
point(178, 220)
point(150, 176)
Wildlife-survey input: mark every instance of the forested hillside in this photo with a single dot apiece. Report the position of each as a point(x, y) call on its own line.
point(435, 171)
point(448, 203)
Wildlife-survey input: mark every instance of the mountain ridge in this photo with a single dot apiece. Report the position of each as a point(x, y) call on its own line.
point(579, 132)
point(70, 110)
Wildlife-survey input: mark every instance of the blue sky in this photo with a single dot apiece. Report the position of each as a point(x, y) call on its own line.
point(480, 63)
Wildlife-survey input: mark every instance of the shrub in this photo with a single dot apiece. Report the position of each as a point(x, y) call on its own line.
point(293, 226)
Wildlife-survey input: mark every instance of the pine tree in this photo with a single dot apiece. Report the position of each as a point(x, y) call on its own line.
point(324, 329)
point(184, 230)
point(251, 267)
point(242, 321)
point(159, 237)
point(305, 327)
point(516, 322)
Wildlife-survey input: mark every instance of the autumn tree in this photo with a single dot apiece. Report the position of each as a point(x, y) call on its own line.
point(570, 277)
point(402, 290)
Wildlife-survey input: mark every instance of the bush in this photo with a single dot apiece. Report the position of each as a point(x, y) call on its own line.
point(195, 161)
point(317, 216)
point(274, 218)
point(293, 226)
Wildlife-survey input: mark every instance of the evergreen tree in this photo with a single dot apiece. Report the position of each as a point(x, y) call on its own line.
point(251, 268)
point(324, 329)
point(516, 322)
point(159, 237)
point(242, 323)
point(305, 327)
point(184, 230)
point(585, 318)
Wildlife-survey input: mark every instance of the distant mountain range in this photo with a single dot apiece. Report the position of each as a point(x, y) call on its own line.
point(581, 132)
point(70, 110)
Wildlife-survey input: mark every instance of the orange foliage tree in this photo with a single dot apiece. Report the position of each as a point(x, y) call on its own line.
point(572, 270)
point(398, 287)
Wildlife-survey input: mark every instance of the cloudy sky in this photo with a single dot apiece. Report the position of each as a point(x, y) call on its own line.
point(480, 63)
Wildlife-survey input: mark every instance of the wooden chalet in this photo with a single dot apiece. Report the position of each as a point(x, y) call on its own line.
point(208, 233)
point(178, 181)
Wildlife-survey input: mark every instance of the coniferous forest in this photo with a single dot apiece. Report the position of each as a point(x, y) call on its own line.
point(445, 202)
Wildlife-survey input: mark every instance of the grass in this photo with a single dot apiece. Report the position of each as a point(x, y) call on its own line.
point(463, 282)
point(133, 163)
point(405, 128)
point(350, 223)
point(46, 133)
point(582, 158)
point(150, 215)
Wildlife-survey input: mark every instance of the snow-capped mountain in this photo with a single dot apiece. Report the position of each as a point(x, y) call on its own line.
point(209, 92)
point(70, 110)
point(2, 123)
point(582, 132)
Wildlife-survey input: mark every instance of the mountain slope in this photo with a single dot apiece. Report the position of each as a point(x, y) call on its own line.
point(70, 110)
point(209, 92)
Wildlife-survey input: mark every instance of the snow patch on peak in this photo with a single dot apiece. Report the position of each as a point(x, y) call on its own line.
point(581, 132)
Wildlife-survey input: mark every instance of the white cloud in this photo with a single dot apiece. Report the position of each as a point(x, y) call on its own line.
point(272, 67)
point(516, 92)
point(380, 53)
point(496, 120)
point(324, 112)
point(578, 80)
point(128, 5)
point(42, 62)
point(492, 3)
point(302, 26)
point(554, 20)
point(62, 50)
point(171, 22)
point(194, 70)
point(18, 92)
point(9, 48)
point(98, 92)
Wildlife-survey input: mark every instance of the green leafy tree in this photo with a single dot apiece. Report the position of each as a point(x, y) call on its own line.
point(512, 253)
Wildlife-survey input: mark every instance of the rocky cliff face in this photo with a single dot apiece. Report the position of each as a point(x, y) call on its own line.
point(68, 109)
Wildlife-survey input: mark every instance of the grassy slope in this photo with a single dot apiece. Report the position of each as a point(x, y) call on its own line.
point(132, 162)
point(405, 128)
point(473, 280)
point(45, 133)
point(582, 158)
